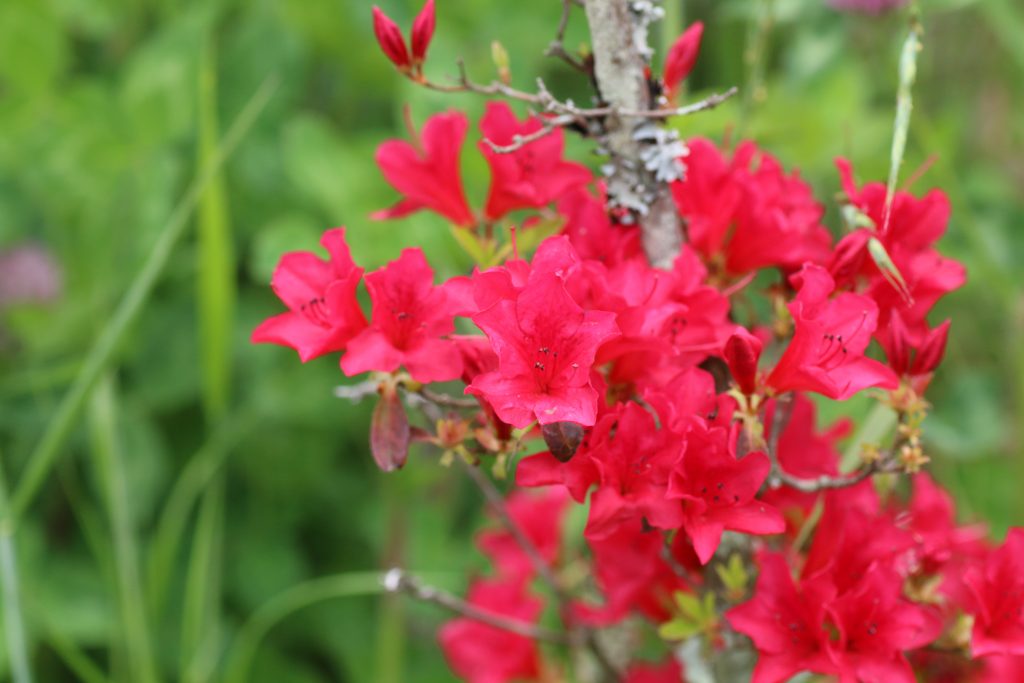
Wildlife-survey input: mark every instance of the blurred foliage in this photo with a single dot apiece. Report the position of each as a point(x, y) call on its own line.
point(209, 475)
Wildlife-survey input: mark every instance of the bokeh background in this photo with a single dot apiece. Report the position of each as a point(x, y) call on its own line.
point(206, 480)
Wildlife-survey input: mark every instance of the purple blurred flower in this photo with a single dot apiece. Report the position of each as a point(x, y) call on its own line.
point(28, 274)
point(867, 6)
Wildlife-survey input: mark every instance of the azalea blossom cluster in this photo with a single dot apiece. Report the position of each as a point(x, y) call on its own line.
point(675, 410)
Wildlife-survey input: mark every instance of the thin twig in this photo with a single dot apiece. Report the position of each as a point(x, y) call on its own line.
point(520, 141)
point(557, 46)
point(778, 476)
point(447, 401)
point(780, 420)
point(357, 392)
point(396, 580)
point(678, 569)
point(497, 503)
point(545, 101)
point(824, 482)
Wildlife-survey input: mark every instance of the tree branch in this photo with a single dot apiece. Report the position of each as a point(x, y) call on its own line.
point(557, 46)
point(618, 31)
point(397, 581)
point(778, 477)
point(577, 631)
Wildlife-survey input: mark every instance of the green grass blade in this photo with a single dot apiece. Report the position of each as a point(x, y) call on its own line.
point(14, 624)
point(246, 644)
point(216, 276)
point(108, 461)
point(190, 485)
point(200, 637)
point(904, 105)
point(79, 663)
point(101, 354)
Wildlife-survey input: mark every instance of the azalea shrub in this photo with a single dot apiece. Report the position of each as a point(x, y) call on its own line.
point(666, 504)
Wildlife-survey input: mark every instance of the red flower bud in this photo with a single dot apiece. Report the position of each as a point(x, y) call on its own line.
point(681, 58)
point(932, 350)
point(422, 32)
point(742, 352)
point(390, 39)
point(897, 350)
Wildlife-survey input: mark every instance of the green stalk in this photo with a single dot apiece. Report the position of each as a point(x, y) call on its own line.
point(49, 448)
point(108, 461)
point(246, 644)
point(14, 624)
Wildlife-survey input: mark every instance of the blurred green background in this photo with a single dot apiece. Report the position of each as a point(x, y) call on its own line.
point(207, 480)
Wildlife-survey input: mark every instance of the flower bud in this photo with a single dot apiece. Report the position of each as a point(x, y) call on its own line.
point(389, 429)
point(930, 354)
point(422, 32)
point(681, 58)
point(742, 352)
point(391, 41)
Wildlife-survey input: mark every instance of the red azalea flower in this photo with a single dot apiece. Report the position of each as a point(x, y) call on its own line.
point(592, 232)
point(546, 345)
point(480, 653)
point(803, 452)
point(633, 577)
point(940, 546)
point(321, 295)
point(778, 223)
point(633, 459)
point(426, 171)
point(539, 516)
point(680, 59)
point(785, 621)
point(746, 217)
point(670, 671)
point(531, 176)
point(826, 353)
point(410, 315)
point(854, 535)
point(914, 226)
point(544, 469)
point(717, 491)
point(874, 625)
point(997, 587)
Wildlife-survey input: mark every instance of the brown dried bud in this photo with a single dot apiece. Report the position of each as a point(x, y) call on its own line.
point(563, 439)
point(389, 429)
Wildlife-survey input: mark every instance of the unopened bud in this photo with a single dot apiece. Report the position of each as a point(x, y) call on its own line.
point(501, 62)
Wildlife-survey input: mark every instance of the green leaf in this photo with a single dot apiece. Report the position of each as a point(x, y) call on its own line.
point(470, 243)
point(734, 577)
